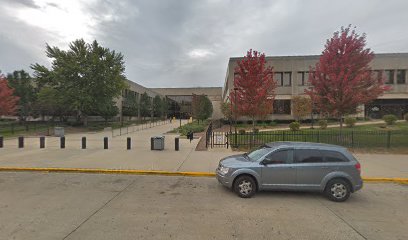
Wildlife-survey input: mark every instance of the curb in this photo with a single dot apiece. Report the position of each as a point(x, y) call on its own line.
point(164, 173)
point(108, 171)
point(386, 180)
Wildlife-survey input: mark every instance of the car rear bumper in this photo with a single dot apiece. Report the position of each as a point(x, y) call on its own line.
point(358, 186)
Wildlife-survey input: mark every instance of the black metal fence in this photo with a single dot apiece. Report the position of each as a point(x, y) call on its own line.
point(208, 134)
point(11, 128)
point(346, 138)
point(137, 127)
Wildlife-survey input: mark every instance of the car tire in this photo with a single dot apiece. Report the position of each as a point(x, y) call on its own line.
point(245, 186)
point(338, 190)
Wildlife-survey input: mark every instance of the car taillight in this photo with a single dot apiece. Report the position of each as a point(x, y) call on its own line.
point(358, 167)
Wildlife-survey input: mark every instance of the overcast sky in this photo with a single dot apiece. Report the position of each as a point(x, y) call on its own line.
point(187, 43)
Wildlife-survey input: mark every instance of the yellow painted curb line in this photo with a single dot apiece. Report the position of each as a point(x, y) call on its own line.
point(386, 180)
point(108, 171)
point(156, 172)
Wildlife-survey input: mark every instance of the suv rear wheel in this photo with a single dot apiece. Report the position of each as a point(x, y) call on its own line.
point(337, 190)
point(245, 186)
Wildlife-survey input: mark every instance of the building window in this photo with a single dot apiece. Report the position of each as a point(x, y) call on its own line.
point(287, 79)
point(401, 76)
point(303, 77)
point(278, 77)
point(281, 107)
point(389, 76)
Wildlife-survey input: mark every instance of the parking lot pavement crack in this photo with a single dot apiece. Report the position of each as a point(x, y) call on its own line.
point(342, 219)
point(99, 209)
point(185, 159)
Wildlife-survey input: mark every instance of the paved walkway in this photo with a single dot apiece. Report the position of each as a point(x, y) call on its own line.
point(140, 157)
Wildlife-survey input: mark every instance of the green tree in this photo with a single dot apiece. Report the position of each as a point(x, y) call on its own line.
point(301, 107)
point(23, 87)
point(50, 102)
point(164, 107)
point(108, 110)
point(201, 107)
point(130, 106)
point(145, 105)
point(86, 74)
point(157, 106)
point(226, 110)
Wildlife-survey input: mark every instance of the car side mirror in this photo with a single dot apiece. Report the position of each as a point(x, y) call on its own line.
point(265, 161)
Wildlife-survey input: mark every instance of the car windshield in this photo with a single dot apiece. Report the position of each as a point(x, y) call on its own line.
point(256, 154)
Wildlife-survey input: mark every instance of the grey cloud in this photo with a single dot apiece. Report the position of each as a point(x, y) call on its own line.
point(26, 3)
point(157, 36)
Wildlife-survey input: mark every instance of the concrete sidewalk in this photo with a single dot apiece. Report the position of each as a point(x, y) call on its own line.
point(140, 157)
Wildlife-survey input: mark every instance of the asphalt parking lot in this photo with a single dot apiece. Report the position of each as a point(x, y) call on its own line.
point(98, 206)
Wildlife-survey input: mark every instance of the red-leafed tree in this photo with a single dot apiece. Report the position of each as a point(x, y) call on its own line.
point(8, 102)
point(254, 87)
point(343, 79)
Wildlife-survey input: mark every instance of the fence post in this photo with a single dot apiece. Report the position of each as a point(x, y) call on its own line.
point(42, 142)
point(83, 142)
point(62, 142)
point(352, 139)
point(151, 143)
point(105, 143)
point(176, 144)
point(226, 135)
point(283, 135)
point(235, 139)
point(250, 139)
point(21, 142)
point(388, 139)
point(128, 143)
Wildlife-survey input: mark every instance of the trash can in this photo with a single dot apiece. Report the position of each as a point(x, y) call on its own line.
point(158, 143)
point(59, 131)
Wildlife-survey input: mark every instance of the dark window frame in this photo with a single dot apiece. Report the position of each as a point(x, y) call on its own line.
point(290, 79)
point(403, 79)
point(324, 152)
point(289, 156)
point(295, 160)
point(283, 105)
point(303, 78)
point(280, 82)
point(389, 74)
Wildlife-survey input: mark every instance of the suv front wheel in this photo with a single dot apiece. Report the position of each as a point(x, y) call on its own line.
point(337, 190)
point(245, 186)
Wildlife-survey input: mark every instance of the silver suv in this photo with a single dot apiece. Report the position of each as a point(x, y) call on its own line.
point(319, 167)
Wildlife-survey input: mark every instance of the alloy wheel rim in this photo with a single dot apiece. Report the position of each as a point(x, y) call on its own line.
point(338, 190)
point(245, 187)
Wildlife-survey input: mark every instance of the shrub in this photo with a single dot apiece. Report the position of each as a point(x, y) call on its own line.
point(406, 117)
point(294, 126)
point(390, 119)
point(272, 123)
point(350, 121)
point(323, 124)
point(241, 131)
point(256, 130)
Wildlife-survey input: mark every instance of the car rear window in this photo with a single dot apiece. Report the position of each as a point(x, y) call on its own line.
point(308, 156)
point(334, 156)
